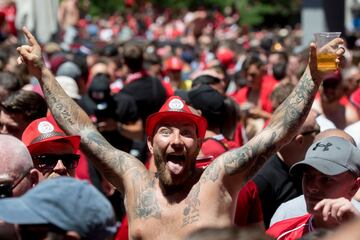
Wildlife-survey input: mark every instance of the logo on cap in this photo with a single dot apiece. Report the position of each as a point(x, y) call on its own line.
point(176, 104)
point(324, 146)
point(45, 127)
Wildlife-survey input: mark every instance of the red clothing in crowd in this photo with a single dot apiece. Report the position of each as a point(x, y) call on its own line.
point(82, 170)
point(168, 88)
point(355, 98)
point(123, 232)
point(291, 229)
point(267, 85)
point(217, 145)
point(8, 14)
point(248, 207)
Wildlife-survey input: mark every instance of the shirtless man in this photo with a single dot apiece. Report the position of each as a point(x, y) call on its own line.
point(179, 198)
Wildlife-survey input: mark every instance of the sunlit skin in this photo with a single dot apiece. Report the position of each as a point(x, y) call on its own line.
point(153, 213)
point(59, 169)
point(175, 147)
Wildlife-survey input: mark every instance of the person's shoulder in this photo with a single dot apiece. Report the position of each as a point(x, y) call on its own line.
point(354, 131)
point(293, 208)
point(272, 168)
point(296, 225)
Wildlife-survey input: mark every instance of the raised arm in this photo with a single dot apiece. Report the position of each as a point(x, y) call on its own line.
point(111, 162)
point(238, 164)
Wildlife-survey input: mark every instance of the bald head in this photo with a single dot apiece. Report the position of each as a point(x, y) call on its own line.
point(14, 156)
point(335, 133)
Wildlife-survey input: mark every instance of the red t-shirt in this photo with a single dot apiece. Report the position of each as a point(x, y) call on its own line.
point(248, 206)
point(291, 229)
point(267, 85)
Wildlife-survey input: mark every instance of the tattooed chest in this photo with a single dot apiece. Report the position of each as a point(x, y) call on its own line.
point(174, 216)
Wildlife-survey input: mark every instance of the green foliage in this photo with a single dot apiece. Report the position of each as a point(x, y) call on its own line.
point(252, 12)
point(105, 7)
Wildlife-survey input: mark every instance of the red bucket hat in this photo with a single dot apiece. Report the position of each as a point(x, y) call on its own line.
point(44, 130)
point(176, 107)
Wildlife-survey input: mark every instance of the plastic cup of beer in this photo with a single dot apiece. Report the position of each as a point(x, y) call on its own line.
point(325, 59)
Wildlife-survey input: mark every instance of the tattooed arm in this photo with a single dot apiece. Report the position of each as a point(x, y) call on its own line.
point(240, 163)
point(111, 162)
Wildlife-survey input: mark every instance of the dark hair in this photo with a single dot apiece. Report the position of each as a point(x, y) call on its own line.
point(210, 102)
point(9, 81)
point(29, 103)
point(205, 79)
point(252, 59)
point(133, 57)
point(279, 70)
point(152, 58)
point(231, 116)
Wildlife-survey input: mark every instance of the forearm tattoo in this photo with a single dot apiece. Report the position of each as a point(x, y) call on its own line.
point(111, 162)
point(286, 120)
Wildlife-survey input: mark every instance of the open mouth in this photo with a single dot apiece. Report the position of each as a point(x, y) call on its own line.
point(175, 163)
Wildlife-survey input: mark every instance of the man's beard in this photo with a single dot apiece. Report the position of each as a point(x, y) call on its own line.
point(164, 174)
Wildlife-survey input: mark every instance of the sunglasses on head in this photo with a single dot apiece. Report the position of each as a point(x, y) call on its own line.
point(49, 161)
point(7, 187)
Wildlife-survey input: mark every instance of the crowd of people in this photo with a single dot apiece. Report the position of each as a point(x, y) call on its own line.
point(156, 124)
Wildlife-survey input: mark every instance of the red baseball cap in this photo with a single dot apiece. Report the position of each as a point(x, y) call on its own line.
point(42, 131)
point(176, 107)
point(174, 64)
point(225, 56)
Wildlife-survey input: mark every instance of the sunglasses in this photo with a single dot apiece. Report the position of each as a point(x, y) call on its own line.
point(49, 161)
point(7, 188)
point(310, 132)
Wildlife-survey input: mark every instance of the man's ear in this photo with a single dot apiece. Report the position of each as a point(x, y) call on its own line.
point(35, 177)
point(356, 186)
point(149, 142)
point(299, 138)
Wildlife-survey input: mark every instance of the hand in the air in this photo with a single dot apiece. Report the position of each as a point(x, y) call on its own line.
point(31, 54)
point(333, 46)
